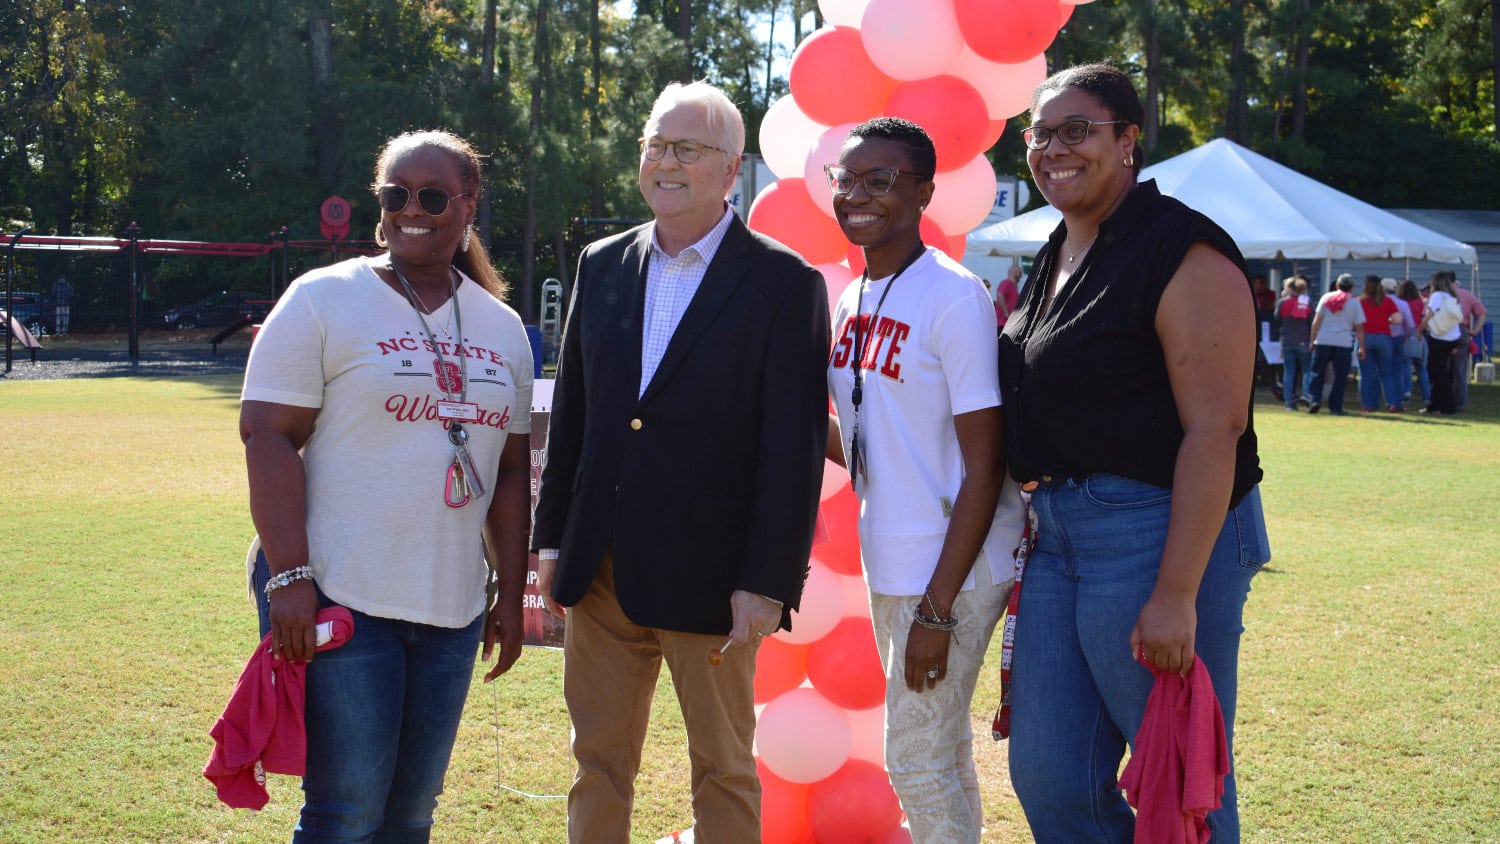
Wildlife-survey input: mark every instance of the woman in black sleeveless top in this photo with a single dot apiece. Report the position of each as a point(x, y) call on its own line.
point(1127, 371)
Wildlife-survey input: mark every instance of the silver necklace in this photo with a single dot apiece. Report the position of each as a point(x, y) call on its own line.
point(1071, 258)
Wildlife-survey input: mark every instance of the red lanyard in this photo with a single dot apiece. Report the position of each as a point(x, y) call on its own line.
point(1001, 728)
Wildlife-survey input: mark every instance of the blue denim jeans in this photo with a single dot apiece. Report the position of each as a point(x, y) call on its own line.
point(1295, 360)
point(1377, 373)
point(382, 715)
point(1078, 697)
point(1340, 357)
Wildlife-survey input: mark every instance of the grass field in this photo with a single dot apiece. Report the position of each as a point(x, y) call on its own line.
point(1370, 677)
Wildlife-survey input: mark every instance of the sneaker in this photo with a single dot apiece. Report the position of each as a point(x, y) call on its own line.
point(1312, 407)
point(1303, 403)
point(1292, 408)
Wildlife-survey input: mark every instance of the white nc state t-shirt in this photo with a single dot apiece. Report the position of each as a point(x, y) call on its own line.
point(382, 541)
point(930, 355)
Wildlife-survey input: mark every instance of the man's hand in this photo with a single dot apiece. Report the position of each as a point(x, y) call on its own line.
point(546, 572)
point(755, 616)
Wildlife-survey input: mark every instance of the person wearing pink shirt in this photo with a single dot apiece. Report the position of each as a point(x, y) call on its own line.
point(1473, 323)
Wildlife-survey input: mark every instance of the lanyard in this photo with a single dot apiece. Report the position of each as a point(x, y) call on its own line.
point(1000, 729)
point(437, 349)
point(861, 343)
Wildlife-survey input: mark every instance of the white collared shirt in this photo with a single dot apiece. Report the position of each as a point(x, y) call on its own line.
point(671, 284)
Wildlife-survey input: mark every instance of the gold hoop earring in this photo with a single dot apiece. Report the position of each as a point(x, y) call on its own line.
point(380, 235)
point(467, 231)
point(1129, 161)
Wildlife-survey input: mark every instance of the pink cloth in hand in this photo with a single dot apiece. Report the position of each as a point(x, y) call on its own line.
point(262, 729)
point(1176, 772)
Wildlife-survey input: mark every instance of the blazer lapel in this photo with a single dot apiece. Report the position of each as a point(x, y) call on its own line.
point(631, 284)
point(720, 281)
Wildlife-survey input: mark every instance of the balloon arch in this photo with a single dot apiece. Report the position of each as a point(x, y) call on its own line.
point(960, 69)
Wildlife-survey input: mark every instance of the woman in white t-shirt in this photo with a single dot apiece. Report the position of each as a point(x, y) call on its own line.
point(920, 424)
point(386, 416)
point(1442, 344)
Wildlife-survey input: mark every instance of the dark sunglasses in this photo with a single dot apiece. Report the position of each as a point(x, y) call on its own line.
point(394, 198)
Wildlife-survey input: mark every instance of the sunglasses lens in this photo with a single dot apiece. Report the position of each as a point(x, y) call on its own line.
point(392, 198)
point(433, 201)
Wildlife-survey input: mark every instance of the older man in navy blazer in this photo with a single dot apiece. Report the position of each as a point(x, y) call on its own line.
point(684, 462)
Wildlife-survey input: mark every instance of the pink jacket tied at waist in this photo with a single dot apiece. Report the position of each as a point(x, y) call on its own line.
point(261, 730)
point(1176, 772)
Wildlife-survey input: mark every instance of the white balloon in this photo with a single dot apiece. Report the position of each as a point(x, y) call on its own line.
point(911, 39)
point(962, 198)
point(842, 12)
point(785, 134)
point(802, 737)
point(1006, 88)
point(868, 726)
point(824, 150)
point(821, 609)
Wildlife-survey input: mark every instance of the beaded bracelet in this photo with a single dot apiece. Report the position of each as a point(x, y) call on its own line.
point(288, 577)
point(946, 625)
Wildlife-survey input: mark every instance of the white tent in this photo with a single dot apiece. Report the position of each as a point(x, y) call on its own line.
point(1270, 210)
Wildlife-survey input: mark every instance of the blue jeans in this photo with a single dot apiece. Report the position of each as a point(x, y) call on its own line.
point(1079, 697)
point(382, 715)
point(1377, 373)
point(1340, 357)
point(1293, 361)
point(1424, 384)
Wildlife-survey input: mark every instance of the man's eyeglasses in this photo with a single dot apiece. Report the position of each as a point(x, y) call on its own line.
point(877, 182)
point(394, 198)
point(1070, 132)
point(686, 152)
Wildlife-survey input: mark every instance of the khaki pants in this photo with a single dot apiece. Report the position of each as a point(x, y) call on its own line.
point(610, 671)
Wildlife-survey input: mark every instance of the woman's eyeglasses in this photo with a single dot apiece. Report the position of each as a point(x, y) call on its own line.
point(877, 182)
point(394, 198)
point(1070, 132)
point(686, 152)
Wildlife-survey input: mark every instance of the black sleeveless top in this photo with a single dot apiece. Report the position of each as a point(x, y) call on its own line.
point(1085, 383)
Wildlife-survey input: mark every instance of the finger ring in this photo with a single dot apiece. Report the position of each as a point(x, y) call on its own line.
point(932, 673)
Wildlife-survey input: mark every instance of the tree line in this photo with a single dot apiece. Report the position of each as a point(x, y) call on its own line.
point(201, 120)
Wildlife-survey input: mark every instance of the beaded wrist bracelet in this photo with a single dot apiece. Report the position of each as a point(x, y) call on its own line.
point(288, 577)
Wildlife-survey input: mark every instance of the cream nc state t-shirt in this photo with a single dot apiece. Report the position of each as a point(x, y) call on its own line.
point(381, 538)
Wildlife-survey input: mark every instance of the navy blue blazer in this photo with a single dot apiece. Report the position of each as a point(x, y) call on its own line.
point(709, 481)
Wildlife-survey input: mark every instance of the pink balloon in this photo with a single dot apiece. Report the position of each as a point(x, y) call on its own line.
point(854, 806)
point(821, 607)
point(824, 150)
point(889, 28)
point(785, 134)
point(779, 668)
point(783, 809)
point(1008, 31)
point(802, 737)
point(842, 12)
point(785, 212)
point(833, 79)
point(1006, 88)
point(845, 666)
point(951, 111)
point(963, 197)
point(869, 734)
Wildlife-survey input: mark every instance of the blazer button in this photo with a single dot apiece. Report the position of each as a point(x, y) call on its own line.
point(635, 424)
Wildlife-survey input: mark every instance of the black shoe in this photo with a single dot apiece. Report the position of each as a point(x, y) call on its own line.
point(1312, 407)
point(1302, 403)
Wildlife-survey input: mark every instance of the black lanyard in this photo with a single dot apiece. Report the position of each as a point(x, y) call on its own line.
point(860, 341)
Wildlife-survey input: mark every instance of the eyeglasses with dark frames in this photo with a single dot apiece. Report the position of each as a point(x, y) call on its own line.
point(877, 182)
point(394, 199)
point(686, 152)
point(1070, 132)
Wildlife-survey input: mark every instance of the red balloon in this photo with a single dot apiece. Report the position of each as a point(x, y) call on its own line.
point(997, 128)
point(779, 667)
point(845, 665)
point(841, 517)
point(1008, 31)
point(833, 80)
point(783, 809)
point(951, 111)
point(953, 245)
point(856, 258)
point(855, 805)
point(1067, 13)
point(784, 211)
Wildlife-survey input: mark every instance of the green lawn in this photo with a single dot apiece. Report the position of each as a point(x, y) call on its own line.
point(1370, 676)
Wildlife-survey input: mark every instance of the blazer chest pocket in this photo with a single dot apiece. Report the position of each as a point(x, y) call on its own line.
point(721, 510)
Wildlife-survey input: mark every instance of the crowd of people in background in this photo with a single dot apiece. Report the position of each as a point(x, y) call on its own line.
point(1393, 335)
